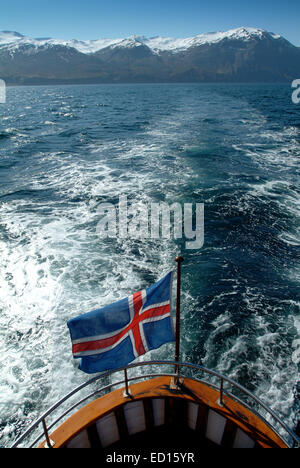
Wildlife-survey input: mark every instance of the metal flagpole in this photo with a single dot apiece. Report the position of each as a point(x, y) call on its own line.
point(179, 260)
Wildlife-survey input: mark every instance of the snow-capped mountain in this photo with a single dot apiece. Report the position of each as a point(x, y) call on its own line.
point(156, 44)
point(242, 54)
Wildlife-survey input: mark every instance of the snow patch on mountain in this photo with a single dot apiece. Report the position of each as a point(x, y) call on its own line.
point(9, 37)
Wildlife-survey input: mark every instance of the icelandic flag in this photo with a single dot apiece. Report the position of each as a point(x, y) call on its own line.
point(115, 335)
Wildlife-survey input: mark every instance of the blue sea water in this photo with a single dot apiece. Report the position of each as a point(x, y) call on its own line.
point(64, 150)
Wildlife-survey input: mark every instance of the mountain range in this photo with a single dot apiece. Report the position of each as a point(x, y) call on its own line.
point(239, 55)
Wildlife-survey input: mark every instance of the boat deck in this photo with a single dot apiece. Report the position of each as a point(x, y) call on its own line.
point(157, 415)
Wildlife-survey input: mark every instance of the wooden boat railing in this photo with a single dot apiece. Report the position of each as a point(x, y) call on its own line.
point(286, 434)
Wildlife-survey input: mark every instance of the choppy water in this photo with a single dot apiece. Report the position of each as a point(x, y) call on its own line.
point(64, 150)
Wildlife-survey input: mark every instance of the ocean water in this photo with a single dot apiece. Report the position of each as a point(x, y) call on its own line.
point(64, 150)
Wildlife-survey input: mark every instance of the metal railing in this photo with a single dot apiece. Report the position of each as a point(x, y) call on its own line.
point(289, 437)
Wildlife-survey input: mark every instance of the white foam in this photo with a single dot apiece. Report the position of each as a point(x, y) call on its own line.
point(54, 267)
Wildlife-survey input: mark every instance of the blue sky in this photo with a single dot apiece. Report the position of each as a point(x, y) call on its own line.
point(92, 19)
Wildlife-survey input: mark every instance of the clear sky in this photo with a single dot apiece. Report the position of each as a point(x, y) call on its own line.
point(93, 19)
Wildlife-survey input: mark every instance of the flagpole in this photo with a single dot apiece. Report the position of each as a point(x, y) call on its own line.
point(179, 260)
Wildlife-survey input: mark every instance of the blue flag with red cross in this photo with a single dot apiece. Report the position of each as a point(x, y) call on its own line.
point(115, 335)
